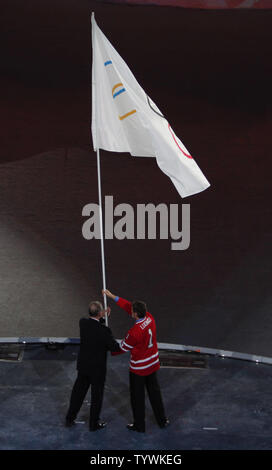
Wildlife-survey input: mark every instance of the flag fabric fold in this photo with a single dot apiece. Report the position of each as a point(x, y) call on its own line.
point(125, 119)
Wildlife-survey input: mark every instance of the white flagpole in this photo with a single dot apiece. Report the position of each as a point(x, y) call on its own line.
point(101, 231)
point(100, 195)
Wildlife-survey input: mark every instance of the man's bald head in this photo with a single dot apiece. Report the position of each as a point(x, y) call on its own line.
point(95, 308)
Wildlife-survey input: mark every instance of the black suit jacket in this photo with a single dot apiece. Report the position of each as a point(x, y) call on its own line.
point(96, 340)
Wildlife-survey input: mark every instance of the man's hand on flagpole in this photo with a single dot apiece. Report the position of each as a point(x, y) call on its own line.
point(108, 294)
point(107, 312)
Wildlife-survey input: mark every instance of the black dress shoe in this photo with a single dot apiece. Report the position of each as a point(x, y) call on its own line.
point(69, 423)
point(165, 423)
point(97, 426)
point(132, 427)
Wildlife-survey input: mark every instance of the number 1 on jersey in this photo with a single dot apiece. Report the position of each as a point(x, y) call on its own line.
point(150, 339)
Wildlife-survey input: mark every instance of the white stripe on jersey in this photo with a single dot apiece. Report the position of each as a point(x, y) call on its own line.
point(127, 345)
point(144, 367)
point(144, 360)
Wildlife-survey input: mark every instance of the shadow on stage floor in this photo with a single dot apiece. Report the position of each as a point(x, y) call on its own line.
point(225, 406)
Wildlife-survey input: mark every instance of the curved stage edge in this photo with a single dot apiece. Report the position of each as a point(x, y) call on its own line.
point(55, 341)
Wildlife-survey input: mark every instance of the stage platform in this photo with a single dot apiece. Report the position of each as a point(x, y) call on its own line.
point(209, 74)
point(225, 406)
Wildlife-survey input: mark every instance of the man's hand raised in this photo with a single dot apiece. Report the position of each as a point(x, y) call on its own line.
point(107, 312)
point(108, 294)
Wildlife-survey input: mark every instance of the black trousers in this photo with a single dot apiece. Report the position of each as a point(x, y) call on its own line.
point(138, 384)
point(80, 388)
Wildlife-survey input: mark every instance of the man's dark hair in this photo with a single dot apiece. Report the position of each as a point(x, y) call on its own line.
point(95, 308)
point(139, 307)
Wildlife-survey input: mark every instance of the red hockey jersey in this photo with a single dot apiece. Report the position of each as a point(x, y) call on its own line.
point(141, 342)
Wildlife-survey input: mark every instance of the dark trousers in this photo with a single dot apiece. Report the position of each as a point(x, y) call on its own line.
point(138, 384)
point(80, 388)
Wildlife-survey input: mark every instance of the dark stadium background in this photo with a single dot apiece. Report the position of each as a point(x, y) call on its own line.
point(210, 74)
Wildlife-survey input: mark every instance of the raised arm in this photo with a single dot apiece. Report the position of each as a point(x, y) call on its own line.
point(109, 294)
point(124, 304)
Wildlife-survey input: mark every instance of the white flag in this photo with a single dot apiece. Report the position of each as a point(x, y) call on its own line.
point(125, 119)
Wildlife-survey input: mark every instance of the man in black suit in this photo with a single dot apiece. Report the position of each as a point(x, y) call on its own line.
point(95, 340)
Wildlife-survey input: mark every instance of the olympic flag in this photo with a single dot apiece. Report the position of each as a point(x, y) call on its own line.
point(125, 119)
